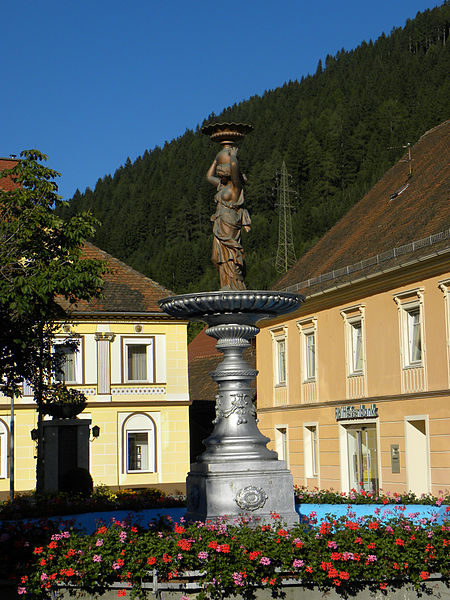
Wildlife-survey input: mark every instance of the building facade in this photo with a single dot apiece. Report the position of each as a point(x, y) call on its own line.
point(353, 388)
point(131, 363)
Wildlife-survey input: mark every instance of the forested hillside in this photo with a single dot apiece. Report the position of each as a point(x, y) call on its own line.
point(335, 130)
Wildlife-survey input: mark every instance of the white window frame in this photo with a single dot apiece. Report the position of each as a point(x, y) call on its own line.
point(354, 319)
point(444, 286)
point(311, 450)
point(78, 357)
point(308, 330)
point(410, 303)
point(139, 423)
point(149, 342)
point(282, 442)
point(281, 361)
point(279, 337)
point(4, 448)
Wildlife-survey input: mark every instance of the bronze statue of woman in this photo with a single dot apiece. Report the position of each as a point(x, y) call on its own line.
point(227, 252)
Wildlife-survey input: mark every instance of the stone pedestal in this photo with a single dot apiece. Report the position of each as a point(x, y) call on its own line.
point(237, 474)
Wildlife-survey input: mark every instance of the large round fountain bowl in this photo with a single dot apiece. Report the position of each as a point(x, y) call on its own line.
point(231, 306)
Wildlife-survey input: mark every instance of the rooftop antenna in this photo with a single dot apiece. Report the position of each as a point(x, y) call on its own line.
point(286, 251)
point(409, 161)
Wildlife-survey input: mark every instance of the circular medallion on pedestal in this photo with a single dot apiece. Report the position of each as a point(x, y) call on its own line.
point(251, 498)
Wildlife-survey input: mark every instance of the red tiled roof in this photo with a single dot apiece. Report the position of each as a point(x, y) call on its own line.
point(378, 223)
point(125, 290)
point(202, 345)
point(6, 183)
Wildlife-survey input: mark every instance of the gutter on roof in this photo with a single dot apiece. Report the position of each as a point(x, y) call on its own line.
point(161, 315)
point(378, 273)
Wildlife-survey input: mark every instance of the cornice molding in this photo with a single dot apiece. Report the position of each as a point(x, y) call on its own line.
point(365, 400)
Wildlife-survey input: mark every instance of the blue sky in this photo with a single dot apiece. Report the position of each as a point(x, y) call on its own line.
point(91, 83)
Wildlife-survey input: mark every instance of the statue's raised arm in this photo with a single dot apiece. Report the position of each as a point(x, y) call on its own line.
point(229, 217)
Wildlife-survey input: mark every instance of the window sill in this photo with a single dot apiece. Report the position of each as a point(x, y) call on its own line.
point(356, 374)
point(138, 472)
point(280, 385)
point(310, 380)
point(416, 365)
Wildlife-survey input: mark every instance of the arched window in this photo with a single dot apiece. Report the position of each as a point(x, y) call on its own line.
point(138, 444)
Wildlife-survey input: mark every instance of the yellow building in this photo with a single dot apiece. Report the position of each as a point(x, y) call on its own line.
point(132, 365)
point(354, 387)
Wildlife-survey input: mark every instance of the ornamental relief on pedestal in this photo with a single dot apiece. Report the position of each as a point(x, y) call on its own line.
point(241, 404)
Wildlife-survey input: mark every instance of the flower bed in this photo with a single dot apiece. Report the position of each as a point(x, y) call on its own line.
point(47, 505)
point(306, 496)
point(416, 512)
point(343, 554)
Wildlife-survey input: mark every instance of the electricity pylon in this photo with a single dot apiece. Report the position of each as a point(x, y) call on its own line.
point(286, 251)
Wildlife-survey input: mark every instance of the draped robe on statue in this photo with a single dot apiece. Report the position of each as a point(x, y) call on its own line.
point(227, 251)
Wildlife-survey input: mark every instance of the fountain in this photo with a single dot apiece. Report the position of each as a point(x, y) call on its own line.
point(237, 474)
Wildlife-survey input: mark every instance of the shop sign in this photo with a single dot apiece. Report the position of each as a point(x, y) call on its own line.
point(352, 412)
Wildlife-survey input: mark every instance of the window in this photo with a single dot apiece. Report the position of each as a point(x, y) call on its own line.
point(308, 341)
point(354, 339)
point(137, 450)
point(71, 365)
point(310, 355)
point(139, 360)
point(414, 336)
point(139, 444)
point(4, 443)
point(444, 286)
point(410, 306)
point(310, 441)
point(281, 446)
point(66, 372)
point(281, 362)
point(356, 346)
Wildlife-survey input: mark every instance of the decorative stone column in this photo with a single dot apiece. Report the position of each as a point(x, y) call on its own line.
point(236, 474)
point(104, 339)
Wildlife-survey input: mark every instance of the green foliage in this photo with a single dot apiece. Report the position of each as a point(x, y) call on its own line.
point(102, 499)
point(60, 394)
point(229, 558)
point(334, 129)
point(39, 261)
point(304, 495)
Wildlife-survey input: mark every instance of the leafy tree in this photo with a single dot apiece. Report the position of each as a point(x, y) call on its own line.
point(42, 274)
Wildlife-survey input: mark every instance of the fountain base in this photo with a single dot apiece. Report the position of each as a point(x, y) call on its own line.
point(258, 489)
point(237, 475)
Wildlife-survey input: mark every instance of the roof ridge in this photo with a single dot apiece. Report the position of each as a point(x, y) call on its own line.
point(433, 129)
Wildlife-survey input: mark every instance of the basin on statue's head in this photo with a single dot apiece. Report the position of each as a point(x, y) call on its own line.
point(236, 474)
